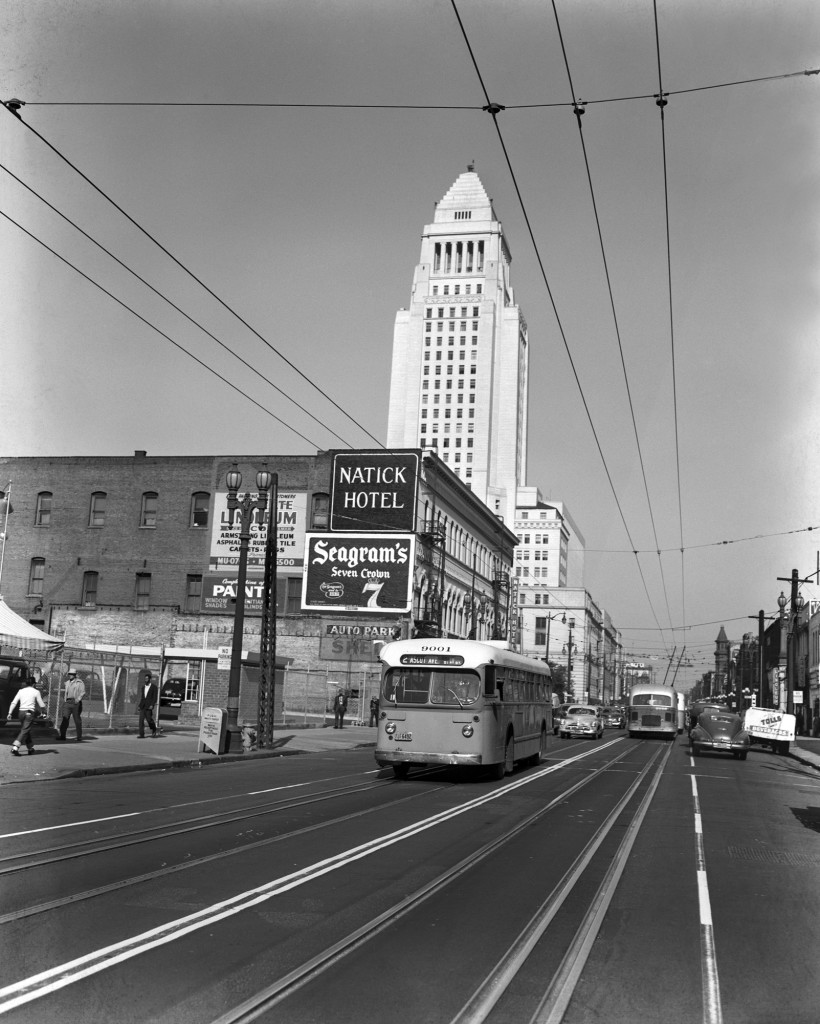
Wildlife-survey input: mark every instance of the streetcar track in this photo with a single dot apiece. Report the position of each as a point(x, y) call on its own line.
point(125, 883)
point(85, 847)
point(60, 976)
point(279, 990)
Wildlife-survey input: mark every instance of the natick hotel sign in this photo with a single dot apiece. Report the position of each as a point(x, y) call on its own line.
point(374, 491)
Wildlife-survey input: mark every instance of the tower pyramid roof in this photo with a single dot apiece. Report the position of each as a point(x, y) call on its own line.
point(466, 193)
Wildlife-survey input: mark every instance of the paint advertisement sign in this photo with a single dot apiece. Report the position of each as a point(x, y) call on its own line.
point(358, 572)
point(291, 521)
point(219, 593)
point(374, 491)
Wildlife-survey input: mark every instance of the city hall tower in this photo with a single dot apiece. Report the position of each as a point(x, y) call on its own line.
point(460, 353)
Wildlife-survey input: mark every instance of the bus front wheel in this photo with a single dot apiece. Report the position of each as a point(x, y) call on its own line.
point(509, 761)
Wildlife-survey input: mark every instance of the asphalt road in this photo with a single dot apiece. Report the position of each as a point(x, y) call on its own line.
point(619, 881)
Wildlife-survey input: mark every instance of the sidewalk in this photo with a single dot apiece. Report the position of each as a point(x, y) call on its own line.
point(103, 752)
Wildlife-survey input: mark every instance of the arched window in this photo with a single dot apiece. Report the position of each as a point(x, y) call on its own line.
point(89, 596)
point(200, 500)
point(42, 514)
point(96, 512)
point(148, 510)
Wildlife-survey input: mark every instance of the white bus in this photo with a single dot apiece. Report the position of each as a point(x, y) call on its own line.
point(653, 711)
point(461, 702)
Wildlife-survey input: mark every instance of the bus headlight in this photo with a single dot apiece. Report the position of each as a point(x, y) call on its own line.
point(467, 730)
point(390, 728)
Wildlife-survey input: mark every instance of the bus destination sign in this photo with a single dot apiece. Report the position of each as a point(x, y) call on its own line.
point(432, 659)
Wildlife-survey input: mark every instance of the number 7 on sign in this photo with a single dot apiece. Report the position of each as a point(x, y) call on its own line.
point(373, 600)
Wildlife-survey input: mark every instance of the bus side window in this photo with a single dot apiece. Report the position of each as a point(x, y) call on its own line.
point(489, 681)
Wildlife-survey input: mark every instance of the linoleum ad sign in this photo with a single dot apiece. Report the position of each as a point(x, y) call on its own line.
point(358, 572)
point(219, 584)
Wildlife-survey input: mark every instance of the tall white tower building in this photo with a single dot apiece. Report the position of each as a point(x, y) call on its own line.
point(460, 352)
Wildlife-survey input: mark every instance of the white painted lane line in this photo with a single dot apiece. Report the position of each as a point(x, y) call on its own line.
point(55, 978)
point(712, 1011)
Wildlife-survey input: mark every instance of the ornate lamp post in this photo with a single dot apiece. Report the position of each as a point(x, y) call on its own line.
point(247, 506)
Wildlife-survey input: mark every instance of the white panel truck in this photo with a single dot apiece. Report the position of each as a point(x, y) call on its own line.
point(770, 727)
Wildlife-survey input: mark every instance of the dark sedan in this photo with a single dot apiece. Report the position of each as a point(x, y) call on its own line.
point(720, 731)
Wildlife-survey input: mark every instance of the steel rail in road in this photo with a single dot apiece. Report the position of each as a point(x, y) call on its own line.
point(279, 990)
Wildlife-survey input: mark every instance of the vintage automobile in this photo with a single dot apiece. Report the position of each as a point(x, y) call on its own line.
point(615, 718)
point(698, 708)
point(558, 716)
point(721, 731)
point(582, 720)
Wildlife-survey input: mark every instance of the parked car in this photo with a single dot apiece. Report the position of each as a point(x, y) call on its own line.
point(558, 716)
point(722, 731)
point(615, 718)
point(582, 720)
point(14, 673)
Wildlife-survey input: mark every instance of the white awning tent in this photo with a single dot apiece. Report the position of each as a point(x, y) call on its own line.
point(20, 635)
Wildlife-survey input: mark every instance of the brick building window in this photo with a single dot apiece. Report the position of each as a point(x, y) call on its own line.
point(42, 513)
point(89, 594)
point(142, 590)
point(96, 512)
point(319, 511)
point(148, 510)
point(36, 574)
point(289, 595)
point(193, 593)
point(200, 500)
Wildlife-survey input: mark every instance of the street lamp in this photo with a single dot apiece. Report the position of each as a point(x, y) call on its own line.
point(247, 507)
point(5, 509)
point(783, 659)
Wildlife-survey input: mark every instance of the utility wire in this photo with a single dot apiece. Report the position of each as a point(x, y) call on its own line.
point(414, 106)
point(162, 334)
point(578, 109)
point(193, 276)
point(494, 109)
point(173, 305)
point(661, 102)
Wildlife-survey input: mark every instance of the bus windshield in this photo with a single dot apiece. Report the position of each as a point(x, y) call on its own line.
point(456, 687)
point(661, 700)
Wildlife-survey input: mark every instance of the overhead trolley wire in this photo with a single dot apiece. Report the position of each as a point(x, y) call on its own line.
point(661, 103)
point(174, 306)
point(167, 337)
point(494, 109)
point(578, 110)
point(190, 273)
point(412, 106)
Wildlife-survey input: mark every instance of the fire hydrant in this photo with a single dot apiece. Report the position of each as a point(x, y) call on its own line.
point(248, 737)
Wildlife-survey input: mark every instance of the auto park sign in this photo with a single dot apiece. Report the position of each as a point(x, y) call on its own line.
point(358, 572)
point(374, 491)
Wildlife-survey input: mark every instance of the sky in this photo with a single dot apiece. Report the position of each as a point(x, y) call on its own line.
point(288, 153)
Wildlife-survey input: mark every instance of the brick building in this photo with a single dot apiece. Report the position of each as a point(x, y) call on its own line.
point(116, 553)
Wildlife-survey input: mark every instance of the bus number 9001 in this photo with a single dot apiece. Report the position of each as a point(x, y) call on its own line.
point(437, 649)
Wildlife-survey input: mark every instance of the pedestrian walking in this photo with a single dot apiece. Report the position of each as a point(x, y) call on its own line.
point(73, 705)
point(374, 710)
point(339, 709)
point(31, 705)
point(147, 702)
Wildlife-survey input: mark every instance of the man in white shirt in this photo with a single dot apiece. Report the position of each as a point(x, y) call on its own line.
point(31, 704)
point(73, 705)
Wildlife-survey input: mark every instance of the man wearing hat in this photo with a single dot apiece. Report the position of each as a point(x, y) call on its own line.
point(73, 704)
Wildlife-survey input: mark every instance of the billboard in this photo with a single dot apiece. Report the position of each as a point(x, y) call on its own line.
point(358, 572)
point(219, 593)
point(291, 518)
point(374, 491)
